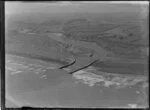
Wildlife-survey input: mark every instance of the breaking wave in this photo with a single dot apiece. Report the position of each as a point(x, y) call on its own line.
point(89, 76)
point(108, 79)
point(19, 67)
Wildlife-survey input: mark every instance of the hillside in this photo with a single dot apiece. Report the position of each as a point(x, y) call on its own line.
point(123, 39)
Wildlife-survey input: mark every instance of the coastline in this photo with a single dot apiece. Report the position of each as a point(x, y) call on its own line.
point(45, 59)
point(105, 66)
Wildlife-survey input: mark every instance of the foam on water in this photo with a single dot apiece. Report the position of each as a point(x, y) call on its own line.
point(19, 67)
point(88, 75)
point(108, 79)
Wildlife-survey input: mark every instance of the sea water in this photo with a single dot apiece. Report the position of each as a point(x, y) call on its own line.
point(43, 85)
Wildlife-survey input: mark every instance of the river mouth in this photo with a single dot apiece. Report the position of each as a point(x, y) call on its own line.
point(52, 85)
point(34, 80)
point(108, 67)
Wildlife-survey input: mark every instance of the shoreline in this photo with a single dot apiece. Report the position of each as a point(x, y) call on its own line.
point(45, 59)
point(110, 67)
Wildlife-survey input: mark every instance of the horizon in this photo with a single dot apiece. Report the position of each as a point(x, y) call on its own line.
point(73, 7)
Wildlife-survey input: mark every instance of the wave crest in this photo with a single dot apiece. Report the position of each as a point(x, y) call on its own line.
point(108, 79)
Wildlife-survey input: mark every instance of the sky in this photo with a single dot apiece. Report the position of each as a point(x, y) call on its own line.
point(16, 7)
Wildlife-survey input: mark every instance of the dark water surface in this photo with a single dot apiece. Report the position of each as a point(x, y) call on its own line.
point(60, 89)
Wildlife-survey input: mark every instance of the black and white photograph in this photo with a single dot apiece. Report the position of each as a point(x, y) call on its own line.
point(81, 54)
